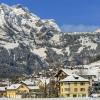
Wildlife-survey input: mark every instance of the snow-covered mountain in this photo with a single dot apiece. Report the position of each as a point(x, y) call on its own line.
point(18, 25)
point(29, 43)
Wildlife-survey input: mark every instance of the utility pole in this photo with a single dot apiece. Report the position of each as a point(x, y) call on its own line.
point(81, 68)
point(57, 87)
point(45, 90)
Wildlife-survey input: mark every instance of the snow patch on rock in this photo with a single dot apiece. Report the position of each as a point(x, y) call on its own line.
point(10, 45)
point(58, 51)
point(68, 50)
point(40, 52)
point(55, 38)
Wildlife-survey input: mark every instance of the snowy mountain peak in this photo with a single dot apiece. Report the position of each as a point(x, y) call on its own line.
point(19, 25)
point(52, 23)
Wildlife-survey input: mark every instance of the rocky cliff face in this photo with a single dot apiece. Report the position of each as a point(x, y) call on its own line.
point(29, 43)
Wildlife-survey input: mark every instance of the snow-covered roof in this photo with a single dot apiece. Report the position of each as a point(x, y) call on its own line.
point(74, 78)
point(33, 87)
point(2, 88)
point(43, 80)
point(86, 71)
point(13, 86)
point(95, 64)
point(94, 68)
point(29, 82)
point(91, 72)
point(69, 71)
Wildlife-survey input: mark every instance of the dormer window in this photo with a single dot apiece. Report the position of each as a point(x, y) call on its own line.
point(76, 77)
point(22, 86)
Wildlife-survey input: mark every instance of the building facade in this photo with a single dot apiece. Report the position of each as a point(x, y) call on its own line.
point(17, 91)
point(74, 86)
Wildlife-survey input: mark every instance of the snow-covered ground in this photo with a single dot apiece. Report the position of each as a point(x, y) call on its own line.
point(52, 99)
point(58, 51)
point(40, 52)
point(86, 42)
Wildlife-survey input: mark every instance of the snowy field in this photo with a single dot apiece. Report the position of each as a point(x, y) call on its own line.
point(52, 99)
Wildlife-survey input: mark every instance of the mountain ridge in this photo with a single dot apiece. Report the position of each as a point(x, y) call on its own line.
point(29, 44)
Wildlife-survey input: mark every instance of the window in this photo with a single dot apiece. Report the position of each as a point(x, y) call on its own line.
point(22, 86)
point(25, 91)
point(67, 89)
point(82, 83)
point(83, 95)
point(75, 84)
point(75, 89)
point(68, 83)
point(68, 95)
point(82, 89)
point(74, 95)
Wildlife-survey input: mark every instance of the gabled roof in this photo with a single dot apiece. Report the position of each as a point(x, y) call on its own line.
point(77, 71)
point(2, 89)
point(33, 87)
point(68, 71)
point(13, 86)
point(74, 78)
point(44, 80)
point(29, 82)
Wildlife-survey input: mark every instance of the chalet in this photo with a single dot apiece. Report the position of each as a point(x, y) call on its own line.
point(85, 73)
point(33, 88)
point(17, 91)
point(2, 91)
point(74, 86)
point(63, 73)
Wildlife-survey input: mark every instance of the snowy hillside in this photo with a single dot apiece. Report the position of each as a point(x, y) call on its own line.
point(29, 43)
